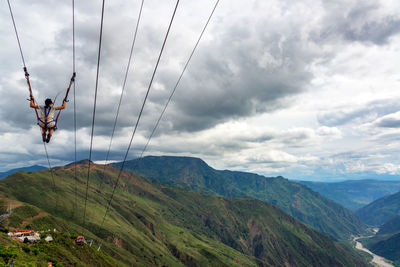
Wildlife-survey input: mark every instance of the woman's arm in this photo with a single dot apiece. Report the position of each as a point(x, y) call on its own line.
point(32, 104)
point(61, 107)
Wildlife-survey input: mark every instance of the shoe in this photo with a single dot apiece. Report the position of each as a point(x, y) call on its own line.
point(44, 137)
point(48, 138)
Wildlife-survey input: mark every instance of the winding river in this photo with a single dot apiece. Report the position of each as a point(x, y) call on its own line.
point(377, 260)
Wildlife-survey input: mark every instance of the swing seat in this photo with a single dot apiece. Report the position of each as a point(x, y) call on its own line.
point(47, 125)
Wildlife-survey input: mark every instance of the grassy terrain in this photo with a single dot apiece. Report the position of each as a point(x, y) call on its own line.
point(151, 224)
point(295, 199)
point(354, 194)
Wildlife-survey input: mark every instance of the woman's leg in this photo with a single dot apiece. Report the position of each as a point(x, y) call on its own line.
point(43, 134)
point(51, 131)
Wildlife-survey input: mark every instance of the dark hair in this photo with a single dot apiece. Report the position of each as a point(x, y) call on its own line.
point(48, 102)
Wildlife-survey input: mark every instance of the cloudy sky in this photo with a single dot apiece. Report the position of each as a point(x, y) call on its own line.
point(306, 89)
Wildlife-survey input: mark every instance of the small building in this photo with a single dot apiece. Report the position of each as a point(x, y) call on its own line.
point(49, 238)
point(20, 235)
point(31, 239)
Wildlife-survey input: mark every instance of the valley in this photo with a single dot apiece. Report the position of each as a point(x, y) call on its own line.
point(354, 194)
point(152, 223)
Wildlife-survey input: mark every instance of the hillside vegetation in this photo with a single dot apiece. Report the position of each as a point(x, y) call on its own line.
point(295, 199)
point(150, 224)
point(391, 227)
point(62, 251)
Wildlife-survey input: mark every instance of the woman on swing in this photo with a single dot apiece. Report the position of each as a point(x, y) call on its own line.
point(46, 120)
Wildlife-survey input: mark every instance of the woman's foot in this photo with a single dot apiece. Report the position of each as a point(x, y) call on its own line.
point(48, 138)
point(44, 137)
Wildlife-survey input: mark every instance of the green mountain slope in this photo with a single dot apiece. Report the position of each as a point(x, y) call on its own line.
point(354, 194)
point(295, 199)
point(381, 210)
point(390, 227)
point(151, 224)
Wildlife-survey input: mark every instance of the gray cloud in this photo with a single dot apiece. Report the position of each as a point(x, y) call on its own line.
point(388, 121)
point(357, 21)
point(363, 114)
point(239, 83)
point(375, 32)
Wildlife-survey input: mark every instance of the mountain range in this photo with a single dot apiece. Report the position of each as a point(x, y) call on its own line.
point(33, 168)
point(295, 199)
point(152, 224)
point(354, 194)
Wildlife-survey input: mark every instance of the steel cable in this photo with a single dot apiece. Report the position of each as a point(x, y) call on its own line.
point(23, 61)
point(179, 80)
point(16, 33)
point(73, 71)
point(123, 86)
point(94, 109)
point(141, 111)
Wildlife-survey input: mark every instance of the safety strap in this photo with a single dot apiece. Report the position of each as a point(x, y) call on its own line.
point(30, 90)
point(47, 111)
point(41, 110)
point(66, 95)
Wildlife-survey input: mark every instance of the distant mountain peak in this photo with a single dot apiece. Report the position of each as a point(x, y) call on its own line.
point(175, 158)
point(79, 162)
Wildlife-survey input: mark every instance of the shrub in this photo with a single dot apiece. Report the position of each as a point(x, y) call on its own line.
point(73, 235)
point(26, 248)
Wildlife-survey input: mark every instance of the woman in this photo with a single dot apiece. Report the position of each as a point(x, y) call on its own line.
point(47, 121)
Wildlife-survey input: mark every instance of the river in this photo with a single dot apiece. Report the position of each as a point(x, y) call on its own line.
point(377, 260)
